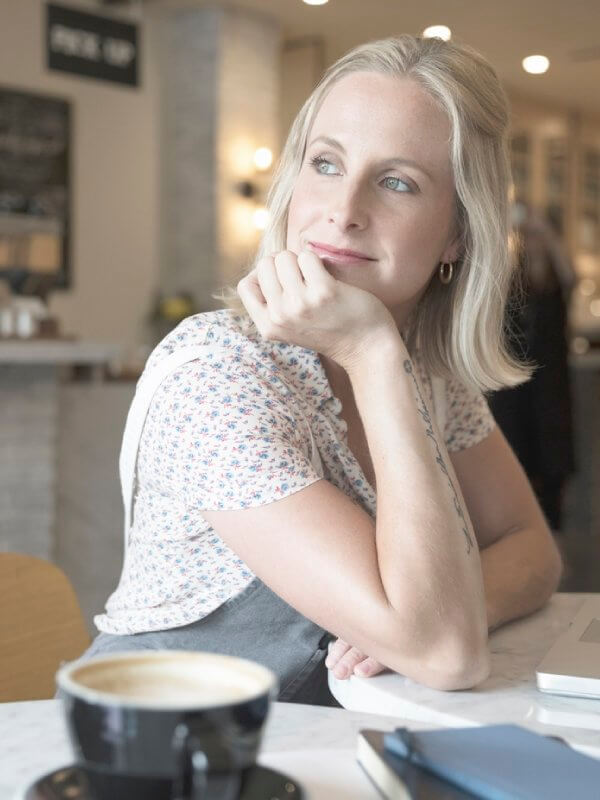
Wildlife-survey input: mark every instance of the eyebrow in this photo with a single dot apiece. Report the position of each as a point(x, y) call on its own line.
point(405, 162)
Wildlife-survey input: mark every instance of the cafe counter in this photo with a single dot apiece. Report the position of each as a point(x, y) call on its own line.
point(56, 410)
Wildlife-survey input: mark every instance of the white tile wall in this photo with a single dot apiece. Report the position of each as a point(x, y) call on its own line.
point(28, 420)
point(89, 512)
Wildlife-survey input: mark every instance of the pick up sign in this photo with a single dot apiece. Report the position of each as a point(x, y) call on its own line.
point(91, 45)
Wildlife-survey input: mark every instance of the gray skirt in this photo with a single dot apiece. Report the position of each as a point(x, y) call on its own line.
point(255, 624)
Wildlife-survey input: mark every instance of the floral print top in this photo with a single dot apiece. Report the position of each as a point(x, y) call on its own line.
point(236, 430)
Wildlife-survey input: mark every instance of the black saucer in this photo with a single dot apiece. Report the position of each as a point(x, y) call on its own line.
point(69, 783)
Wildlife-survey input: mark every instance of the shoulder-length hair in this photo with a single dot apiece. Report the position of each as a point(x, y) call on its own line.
point(458, 327)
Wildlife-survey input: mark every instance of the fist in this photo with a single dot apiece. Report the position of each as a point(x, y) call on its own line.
point(293, 298)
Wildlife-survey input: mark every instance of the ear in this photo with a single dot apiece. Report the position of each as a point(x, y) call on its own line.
point(452, 251)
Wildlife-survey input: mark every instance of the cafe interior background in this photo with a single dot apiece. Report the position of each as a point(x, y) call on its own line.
point(134, 164)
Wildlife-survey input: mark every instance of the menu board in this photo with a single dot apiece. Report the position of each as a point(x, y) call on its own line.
point(34, 191)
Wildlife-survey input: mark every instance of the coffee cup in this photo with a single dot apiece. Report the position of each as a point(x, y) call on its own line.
point(165, 724)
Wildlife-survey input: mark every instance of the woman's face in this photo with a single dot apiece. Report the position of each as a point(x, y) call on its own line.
point(377, 179)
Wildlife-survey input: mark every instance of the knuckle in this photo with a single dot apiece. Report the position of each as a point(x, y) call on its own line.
point(322, 296)
point(297, 308)
point(304, 311)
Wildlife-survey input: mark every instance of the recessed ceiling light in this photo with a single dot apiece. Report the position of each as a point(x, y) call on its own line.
point(437, 32)
point(536, 65)
point(315, 2)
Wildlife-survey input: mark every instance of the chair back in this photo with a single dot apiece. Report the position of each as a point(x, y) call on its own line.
point(41, 625)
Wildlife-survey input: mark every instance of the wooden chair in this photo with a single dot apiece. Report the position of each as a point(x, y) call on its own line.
point(41, 625)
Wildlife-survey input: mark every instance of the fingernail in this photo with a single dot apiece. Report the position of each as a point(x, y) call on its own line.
point(342, 673)
point(362, 672)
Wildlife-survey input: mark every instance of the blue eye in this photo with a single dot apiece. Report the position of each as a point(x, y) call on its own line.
point(400, 185)
point(318, 162)
point(324, 167)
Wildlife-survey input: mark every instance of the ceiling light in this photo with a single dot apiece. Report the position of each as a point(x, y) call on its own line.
point(316, 2)
point(437, 32)
point(536, 65)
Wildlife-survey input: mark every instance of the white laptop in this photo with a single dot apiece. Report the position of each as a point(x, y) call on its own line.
point(572, 666)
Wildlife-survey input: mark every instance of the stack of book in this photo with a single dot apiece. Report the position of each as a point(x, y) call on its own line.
point(494, 762)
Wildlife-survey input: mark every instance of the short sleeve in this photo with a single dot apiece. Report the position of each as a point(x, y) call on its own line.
point(468, 417)
point(233, 433)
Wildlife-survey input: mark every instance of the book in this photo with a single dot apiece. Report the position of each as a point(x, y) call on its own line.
point(397, 778)
point(492, 762)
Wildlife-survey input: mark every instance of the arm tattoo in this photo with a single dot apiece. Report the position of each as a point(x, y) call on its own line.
point(422, 409)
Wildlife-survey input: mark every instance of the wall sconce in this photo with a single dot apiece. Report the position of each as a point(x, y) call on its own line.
point(263, 158)
point(260, 218)
point(255, 188)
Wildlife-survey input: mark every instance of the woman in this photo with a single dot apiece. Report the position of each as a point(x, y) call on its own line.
point(324, 464)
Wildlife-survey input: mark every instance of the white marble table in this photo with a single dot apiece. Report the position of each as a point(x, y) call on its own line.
point(508, 695)
point(313, 744)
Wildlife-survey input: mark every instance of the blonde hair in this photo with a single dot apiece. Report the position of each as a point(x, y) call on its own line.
point(458, 327)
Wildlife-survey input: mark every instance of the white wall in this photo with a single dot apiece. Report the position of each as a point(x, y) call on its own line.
point(115, 177)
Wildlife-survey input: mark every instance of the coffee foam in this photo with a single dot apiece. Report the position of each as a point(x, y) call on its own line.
point(169, 679)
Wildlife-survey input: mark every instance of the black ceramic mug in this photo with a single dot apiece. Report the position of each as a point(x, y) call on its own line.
point(166, 724)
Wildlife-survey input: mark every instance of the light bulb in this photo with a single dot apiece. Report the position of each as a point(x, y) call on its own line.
point(438, 32)
point(260, 218)
point(263, 158)
point(536, 65)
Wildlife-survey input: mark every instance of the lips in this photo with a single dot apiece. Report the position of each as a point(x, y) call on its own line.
point(338, 254)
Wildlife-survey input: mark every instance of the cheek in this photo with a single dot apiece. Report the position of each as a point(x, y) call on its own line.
point(424, 235)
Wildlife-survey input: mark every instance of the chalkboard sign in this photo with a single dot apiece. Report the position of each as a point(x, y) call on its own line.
point(34, 191)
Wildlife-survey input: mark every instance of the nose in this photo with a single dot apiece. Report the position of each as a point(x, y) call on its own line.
point(348, 207)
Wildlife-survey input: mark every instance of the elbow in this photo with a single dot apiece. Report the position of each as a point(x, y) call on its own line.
point(458, 668)
point(464, 673)
point(459, 663)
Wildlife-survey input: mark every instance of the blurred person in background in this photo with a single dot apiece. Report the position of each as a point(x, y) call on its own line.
point(536, 416)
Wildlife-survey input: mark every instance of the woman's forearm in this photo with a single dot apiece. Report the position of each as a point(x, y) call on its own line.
point(427, 553)
point(520, 572)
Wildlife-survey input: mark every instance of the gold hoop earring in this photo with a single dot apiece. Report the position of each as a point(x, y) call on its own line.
point(445, 272)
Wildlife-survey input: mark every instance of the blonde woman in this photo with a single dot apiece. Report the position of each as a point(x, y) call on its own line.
point(321, 464)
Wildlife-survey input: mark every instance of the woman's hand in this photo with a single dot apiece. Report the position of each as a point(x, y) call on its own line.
point(292, 298)
point(344, 660)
